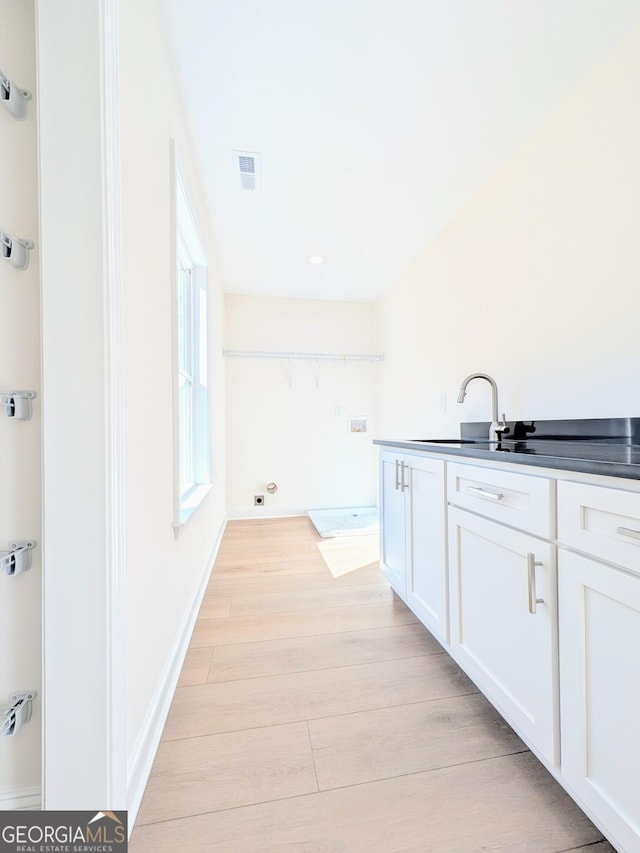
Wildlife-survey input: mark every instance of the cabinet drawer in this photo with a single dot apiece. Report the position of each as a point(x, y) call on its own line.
point(520, 500)
point(600, 521)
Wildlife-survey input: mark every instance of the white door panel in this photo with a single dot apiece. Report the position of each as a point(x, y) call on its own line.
point(392, 517)
point(600, 699)
point(427, 592)
point(503, 640)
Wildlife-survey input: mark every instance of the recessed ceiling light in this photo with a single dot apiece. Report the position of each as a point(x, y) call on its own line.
point(316, 259)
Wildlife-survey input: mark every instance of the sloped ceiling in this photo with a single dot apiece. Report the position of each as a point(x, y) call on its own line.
point(376, 121)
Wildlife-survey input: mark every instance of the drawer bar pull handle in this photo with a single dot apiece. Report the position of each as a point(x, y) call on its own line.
point(531, 570)
point(627, 531)
point(483, 493)
point(397, 474)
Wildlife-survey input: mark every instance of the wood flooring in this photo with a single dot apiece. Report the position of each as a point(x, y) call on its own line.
point(317, 715)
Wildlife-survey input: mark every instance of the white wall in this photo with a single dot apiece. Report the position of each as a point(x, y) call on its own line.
point(20, 452)
point(289, 433)
point(536, 283)
point(162, 574)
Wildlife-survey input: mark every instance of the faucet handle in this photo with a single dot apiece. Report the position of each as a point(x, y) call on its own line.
point(502, 427)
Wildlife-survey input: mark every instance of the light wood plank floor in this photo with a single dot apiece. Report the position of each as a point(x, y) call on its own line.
point(316, 715)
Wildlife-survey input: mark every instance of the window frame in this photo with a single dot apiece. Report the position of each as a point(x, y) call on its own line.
point(190, 486)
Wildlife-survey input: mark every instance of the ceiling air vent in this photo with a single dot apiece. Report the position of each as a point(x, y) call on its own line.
point(248, 165)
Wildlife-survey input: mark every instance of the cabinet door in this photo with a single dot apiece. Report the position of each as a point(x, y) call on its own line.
point(392, 520)
point(427, 592)
point(599, 615)
point(508, 650)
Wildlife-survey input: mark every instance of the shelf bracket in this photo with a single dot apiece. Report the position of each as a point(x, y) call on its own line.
point(13, 97)
point(18, 404)
point(18, 558)
point(15, 251)
point(19, 713)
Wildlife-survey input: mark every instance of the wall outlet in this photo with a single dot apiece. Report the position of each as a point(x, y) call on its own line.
point(258, 500)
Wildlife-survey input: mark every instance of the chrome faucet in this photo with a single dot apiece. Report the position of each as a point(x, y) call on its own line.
point(497, 427)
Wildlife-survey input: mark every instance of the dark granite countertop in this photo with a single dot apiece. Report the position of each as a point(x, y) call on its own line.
point(608, 447)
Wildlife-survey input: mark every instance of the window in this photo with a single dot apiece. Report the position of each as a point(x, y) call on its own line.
point(192, 475)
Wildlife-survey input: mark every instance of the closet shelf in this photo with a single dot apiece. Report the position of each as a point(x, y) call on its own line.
point(312, 356)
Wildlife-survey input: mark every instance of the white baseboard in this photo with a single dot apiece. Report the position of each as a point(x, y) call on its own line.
point(23, 799)
point(146, 746)
point(238, 512)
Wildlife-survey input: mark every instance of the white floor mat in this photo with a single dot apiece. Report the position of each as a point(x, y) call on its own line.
point(354, 521)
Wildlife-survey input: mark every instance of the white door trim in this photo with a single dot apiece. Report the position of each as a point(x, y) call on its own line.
point(84, 709)
point(114, 410)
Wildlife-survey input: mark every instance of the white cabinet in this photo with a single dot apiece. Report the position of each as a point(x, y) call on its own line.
point(426, 570)
point(524, 501)
point(504, 623)
point(599, 614)
point(556, 649)
point(392, 520)
point(600, 521)
point(412, 511)
point(599, 639)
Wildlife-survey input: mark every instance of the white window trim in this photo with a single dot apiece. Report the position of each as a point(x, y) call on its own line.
point(184, 505)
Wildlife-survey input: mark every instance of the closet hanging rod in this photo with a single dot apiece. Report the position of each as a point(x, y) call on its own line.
point(313, 356)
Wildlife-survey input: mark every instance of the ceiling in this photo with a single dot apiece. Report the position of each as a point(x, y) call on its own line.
point(376, 121)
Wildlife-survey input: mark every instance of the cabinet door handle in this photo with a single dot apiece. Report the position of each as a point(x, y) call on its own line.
point(483, 493)
point(627, 531)
point(405, 485)
point(531, 570)
point(397, 474)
